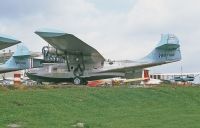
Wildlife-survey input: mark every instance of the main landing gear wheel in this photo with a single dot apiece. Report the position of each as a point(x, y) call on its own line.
point(77, 81)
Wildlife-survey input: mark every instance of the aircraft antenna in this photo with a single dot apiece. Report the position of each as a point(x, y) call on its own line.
point(181, 69)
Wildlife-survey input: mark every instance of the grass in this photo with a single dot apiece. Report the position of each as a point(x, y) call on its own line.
point(120, 107)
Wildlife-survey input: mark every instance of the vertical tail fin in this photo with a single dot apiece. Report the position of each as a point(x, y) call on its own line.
point(167, 50)
point(20, 58)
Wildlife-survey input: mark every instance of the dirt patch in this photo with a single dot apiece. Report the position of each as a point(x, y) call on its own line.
point(14, 126)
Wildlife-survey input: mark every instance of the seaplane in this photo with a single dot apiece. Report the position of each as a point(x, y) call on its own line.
point(69, 59)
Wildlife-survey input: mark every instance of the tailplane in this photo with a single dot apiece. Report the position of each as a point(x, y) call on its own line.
point(167, 50)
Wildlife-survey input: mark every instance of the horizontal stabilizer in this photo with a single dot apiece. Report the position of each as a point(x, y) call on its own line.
point(7, 41)
point(168, 42)
point(168, 47)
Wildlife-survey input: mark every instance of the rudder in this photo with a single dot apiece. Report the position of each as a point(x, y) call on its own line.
point(167, 50)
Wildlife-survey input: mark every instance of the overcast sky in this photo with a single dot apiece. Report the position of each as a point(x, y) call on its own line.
point(119, 29)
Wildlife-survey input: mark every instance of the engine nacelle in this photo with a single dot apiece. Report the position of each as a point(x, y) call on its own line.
point(46, 50)
point(51, 54)
point(54, 51)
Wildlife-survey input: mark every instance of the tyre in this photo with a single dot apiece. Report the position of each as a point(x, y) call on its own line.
point(77, 81)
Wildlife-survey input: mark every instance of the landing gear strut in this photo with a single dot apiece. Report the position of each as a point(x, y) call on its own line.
point(78, 71)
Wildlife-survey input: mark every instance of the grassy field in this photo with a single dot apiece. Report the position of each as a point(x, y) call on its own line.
point(119, 107)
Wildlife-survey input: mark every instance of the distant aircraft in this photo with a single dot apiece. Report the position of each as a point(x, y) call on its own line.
point(144, 79)
point(19, 60)
point(184, 78)
point(72, 60)
point(10, 80)
point(177, 77)
point(6, 81)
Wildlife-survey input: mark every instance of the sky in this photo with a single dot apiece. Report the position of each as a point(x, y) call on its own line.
point(118, 29)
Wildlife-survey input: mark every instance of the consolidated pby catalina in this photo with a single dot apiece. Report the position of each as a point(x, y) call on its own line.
point(69, 59)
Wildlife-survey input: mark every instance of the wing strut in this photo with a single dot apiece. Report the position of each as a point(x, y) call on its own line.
point(79, 70)
point(82, 59)
point(66, 57)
